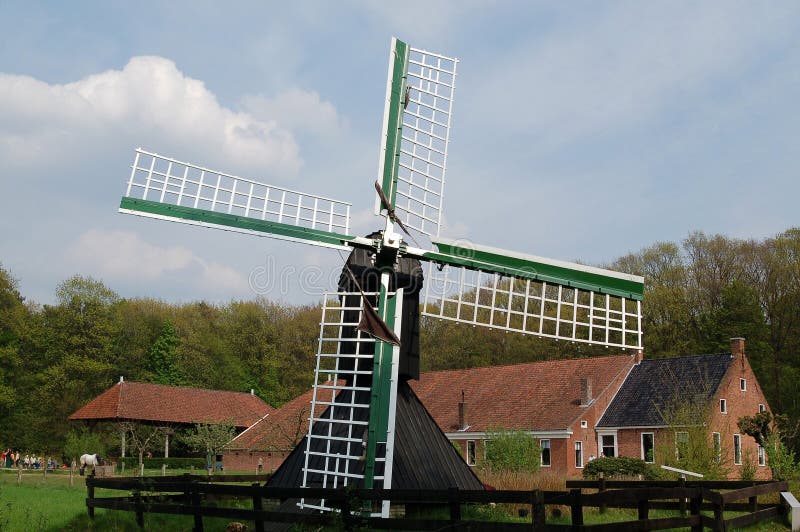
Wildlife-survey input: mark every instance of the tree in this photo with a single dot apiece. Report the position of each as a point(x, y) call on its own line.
point(141, 437)
point(210, 437)
point(162, 358)
point(82, 441)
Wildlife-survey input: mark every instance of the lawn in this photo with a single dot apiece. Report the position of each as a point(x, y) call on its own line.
point(39, 504)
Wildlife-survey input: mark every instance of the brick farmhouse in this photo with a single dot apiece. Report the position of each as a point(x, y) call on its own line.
point(577, 409)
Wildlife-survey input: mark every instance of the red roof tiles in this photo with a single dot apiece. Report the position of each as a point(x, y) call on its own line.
point(282, 429)
point(530, 396)
point(139, 401)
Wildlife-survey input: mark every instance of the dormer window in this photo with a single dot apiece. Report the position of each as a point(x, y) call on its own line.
point(743, 384)
point(723, 406)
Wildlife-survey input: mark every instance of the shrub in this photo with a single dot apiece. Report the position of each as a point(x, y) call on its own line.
point(620, 466)
point(132, 462)
point(511, 450)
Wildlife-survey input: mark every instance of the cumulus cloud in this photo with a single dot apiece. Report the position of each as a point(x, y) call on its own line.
point(297, 110)
point(148, 99)
point(125, 255)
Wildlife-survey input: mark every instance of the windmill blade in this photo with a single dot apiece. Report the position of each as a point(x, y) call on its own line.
point(165, 188)
point(416, 126)
point(480, 285)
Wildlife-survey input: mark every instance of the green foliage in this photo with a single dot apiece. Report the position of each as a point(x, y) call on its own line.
point(511, 450)
point(163, 362)
point(157, 462)
point(209, 438)
point(749, 467)
point(757, 426)
point(82, 441)
point(616, 466)
point(780, 459)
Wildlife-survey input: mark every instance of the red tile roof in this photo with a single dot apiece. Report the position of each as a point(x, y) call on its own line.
point(139, 401)
point(282, 429)
point(531, 396)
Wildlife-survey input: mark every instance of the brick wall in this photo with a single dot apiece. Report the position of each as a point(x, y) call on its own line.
point(245, 460)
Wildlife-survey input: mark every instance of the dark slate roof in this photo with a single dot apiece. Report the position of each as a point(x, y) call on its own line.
point(654, 384)
point(423, 456)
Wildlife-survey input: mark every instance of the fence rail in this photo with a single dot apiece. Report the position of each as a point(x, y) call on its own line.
point(186, 495)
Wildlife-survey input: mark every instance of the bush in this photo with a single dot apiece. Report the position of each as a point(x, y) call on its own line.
point(512, 450)
point(82, 441)
point(620, 466)
point(781, 458)
point(156, 463)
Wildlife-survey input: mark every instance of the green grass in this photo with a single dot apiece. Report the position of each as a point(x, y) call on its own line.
point(51, 504)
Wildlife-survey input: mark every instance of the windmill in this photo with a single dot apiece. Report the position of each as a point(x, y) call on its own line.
point(361, 359)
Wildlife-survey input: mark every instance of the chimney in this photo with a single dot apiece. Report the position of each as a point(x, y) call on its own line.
point(121, 379)
point(737, 347)
point(586, 391)
point(252, 391)
point(462, 413)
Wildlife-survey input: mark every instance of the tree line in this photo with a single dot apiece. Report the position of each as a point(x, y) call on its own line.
point(55, 357)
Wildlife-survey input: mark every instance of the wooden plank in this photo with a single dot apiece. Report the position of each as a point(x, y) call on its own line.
point(617, 496)
point(755, 517)
point(754, 491)
point(707, 484)
point(649, 524)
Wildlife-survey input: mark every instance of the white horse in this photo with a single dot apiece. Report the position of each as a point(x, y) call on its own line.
point(90, 460)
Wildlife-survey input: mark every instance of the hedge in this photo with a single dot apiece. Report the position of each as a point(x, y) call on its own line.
point(156, 463)
point(620, 466)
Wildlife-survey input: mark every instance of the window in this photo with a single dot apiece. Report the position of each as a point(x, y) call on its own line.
point(762, 460)
point(716, 440)
point(471, 452)
point(743, 384)
point(723, 406)
point(681, 445)
point(584, 423)
point(545, 445)
point(762, 408)
point(648, 447)
point(579, 454)
point(737, 449)
point(608, 445)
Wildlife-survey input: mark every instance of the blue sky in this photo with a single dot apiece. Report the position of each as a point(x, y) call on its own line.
point(581, 130)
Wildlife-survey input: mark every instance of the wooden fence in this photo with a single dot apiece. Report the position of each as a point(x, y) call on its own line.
point(189, 495)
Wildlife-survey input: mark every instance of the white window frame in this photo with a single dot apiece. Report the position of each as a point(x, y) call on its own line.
point(743, 384)
point(584, 424)
point(762, 458)
point(716, 442)
point(644, 455)
point(471, 453)
point(723, 406)
point(737, 449)
point(579, 449)
point(600, 443)
point(762, 407)
point(549, 452)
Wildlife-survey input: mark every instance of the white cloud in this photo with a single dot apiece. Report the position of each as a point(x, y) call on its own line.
point(123, 255)
point(149, 100)
point(297, 110)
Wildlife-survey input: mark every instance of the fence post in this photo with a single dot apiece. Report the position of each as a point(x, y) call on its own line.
point(682, 500)
point(719, 515)
point(71, 477)
point(576, 508)
point(695, 503)
point(137, 501)
point(537, 509)
point(90, 496)
point(644, 509)
point(258, 505)
point(455, 505)
point(601, 488)
point(19, 476)
point(198, 516)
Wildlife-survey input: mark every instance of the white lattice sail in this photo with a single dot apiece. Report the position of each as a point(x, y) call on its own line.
point(338, 425)
point(162, 187)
